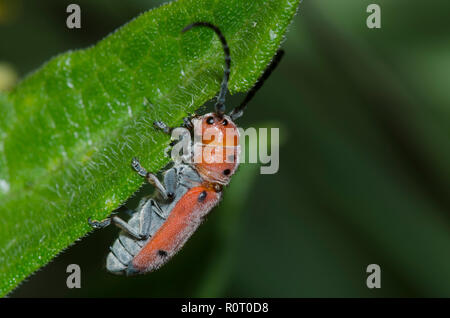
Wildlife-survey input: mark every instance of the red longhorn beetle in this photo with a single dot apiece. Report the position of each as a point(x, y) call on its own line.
point(161, 226)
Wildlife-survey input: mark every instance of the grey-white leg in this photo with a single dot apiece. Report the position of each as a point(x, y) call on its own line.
point(187, 123)
point(124, 226)
point(162, 126)
point(157, 209)
point(171, 182)
point(145, 218)
point(99, 224)
point(150, 177)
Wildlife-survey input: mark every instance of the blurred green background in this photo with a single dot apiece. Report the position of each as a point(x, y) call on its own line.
point(364, 164)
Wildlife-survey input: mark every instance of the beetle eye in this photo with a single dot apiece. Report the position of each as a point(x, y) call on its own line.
point(210, 120)
point(225, 122)
point(202, 196)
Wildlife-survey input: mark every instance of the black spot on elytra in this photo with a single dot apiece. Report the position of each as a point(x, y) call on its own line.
point(162, 253)
point(226, 172)
point(202, 196)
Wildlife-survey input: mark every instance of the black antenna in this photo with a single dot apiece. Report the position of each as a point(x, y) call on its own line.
point(220, 104)
point(238, 111)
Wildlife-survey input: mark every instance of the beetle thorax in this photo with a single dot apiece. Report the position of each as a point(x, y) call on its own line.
point(216, 147)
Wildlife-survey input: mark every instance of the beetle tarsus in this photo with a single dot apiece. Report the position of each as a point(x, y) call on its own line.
point(99, 224)
point(160, 125)
point(138, 168)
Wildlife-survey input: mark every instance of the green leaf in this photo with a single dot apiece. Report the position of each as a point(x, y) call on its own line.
point(69, 130)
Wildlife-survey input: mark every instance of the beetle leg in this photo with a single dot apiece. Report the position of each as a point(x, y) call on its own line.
point(119, 223)
point(162, 126)
point(99, 224)
point(187, 123)
point(138, 168)
point(145, 218)
point(150, 177)
point(124, 226)
point(158, 210)
point(171, 182)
